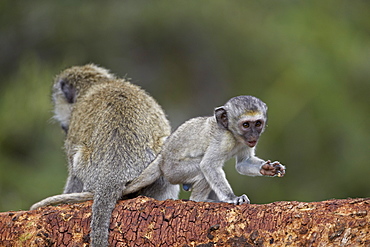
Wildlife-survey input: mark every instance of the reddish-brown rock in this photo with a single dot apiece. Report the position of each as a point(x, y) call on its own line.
point(147, 222)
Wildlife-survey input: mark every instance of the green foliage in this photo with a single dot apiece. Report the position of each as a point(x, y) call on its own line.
point(308, 60)
point(30, 147)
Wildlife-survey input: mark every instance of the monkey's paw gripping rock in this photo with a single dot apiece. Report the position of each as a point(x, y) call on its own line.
point(239, 200)
point(243, 199)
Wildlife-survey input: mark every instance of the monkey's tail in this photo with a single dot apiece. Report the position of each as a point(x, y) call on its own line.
point(146, 178)
point(64, 198)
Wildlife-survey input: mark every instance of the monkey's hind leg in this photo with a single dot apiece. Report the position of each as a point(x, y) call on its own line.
point(200, 190)
point(73, 185)
point(161, 190)
point(150, 175)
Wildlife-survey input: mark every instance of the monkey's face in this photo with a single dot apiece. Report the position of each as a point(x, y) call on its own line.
point(250, 128)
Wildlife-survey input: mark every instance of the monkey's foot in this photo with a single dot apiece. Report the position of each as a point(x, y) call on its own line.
point(272, 169)
point(243, 199)
point(239, 200)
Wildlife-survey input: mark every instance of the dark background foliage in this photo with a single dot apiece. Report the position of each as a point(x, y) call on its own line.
point(308, 60)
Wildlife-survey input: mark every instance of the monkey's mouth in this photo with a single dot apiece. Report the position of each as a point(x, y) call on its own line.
point(251, 143)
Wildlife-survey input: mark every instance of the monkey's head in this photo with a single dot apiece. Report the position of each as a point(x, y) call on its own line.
point(245, 117)
point(71, 84)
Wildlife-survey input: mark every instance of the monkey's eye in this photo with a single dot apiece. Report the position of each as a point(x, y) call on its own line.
point(246, 124)
point(258, 123)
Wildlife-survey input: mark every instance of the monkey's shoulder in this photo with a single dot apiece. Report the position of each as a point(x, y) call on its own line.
point(193, 134)
point(120, 111)
point(119, 91)
point(119, 102)
point(195, 128)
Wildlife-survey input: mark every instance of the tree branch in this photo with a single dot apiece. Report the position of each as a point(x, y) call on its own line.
point(147, 222)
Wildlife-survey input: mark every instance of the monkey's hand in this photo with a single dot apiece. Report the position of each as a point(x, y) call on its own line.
point(239, 200)
point(272, 169)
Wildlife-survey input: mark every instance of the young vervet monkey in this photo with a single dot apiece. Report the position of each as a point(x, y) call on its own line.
point(114, 130)
point(195, 153)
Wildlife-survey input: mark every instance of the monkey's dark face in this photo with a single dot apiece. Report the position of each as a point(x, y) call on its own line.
point(250, 129)
point(246, 127)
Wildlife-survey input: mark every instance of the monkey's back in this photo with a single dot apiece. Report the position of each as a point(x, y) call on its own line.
point(118, 124)
point(190, 141)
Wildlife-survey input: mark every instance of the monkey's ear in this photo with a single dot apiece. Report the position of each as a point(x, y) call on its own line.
point(68, 90)
point(221, 117)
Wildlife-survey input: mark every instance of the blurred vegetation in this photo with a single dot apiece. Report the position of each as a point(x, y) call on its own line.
point(308, 60)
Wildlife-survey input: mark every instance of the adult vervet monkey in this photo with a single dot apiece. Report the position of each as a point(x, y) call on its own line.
point(114, 130)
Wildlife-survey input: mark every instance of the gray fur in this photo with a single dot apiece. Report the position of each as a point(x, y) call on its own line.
point(195, 153)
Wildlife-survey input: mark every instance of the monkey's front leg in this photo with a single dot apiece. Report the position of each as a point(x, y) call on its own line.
point(272, 169)
point(254, 166)
point(201, 188)
point(216, 179)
